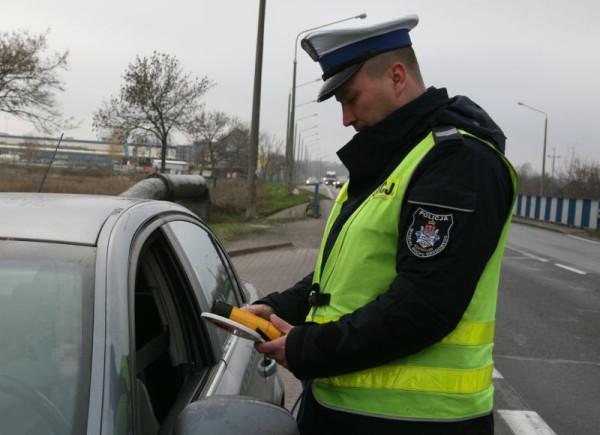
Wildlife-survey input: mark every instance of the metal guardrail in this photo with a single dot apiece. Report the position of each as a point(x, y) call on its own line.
point(580, 213)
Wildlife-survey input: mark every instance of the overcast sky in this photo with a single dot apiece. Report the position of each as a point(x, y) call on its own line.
point(541, 52)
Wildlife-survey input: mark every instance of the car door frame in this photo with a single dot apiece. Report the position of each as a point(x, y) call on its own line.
point(235, 354)
point(213, 359)
point(111, 396)
point(243, 370)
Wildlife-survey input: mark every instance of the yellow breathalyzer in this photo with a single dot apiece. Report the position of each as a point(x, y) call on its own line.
point(263, 327)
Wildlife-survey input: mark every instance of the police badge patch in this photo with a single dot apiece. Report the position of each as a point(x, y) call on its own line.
point(428, 233)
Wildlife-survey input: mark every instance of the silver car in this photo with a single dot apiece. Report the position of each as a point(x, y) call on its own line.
point(100, 328)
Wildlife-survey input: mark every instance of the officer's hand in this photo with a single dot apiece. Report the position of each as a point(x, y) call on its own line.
point(275, 349)
point(261, 310)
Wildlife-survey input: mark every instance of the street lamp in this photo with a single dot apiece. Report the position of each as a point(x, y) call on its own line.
point(295, 142)
point(300, 143)
point(255, 123)
point(304, 104)
point(310, 143)
point(318, 79)
point(306, 117)
point(302, 154)
point(316, 133)
point(545, 137)
point(289, 152)
point(299, 132)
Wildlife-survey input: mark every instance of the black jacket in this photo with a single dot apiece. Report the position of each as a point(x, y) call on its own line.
point(429, 295)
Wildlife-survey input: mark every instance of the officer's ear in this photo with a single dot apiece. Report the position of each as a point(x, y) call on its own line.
point(399, 77)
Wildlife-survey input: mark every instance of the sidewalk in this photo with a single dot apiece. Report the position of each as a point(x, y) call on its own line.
point(277, 258)
point(300, 233)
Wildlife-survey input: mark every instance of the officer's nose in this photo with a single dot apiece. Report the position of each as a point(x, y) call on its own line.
point(348, 117)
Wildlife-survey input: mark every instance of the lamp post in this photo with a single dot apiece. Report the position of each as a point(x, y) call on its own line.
point(318, 79)
point(295, 141)
point(298, 133)
point(301, 143)
point(295, 144)
point(254, 128)
point(306, 103)
point(289, 152)
point(316, 133)
point(545, 137)
point(306, 117)
point(305, 145)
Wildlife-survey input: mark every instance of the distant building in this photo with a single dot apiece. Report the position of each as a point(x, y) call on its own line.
point(186, 153)
point(172, 166)
point(78, 152)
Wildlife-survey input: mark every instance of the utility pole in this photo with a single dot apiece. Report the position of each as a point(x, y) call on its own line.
point(255, 124)
point(553, 156)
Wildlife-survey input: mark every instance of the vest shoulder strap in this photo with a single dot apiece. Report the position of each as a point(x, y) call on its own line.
point(446, 134)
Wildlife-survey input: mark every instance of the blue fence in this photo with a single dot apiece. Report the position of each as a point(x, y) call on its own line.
point(581, 213)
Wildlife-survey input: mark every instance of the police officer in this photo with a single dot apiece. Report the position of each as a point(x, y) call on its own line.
point(393, 331)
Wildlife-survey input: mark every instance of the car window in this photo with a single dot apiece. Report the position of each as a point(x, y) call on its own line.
point(210, 267)
point(172, 352)
point(46, 293)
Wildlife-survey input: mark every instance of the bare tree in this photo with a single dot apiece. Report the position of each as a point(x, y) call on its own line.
point(529, 180)
point(207, 130)
point(581, 178)
point(156, 97)
point(29, 79)
point(116, 145)
point(235, 147)
point(270, 157)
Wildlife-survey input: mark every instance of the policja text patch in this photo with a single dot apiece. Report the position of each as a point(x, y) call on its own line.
point(428, 233)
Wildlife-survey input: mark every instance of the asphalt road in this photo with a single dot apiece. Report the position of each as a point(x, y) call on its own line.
point(547, 334)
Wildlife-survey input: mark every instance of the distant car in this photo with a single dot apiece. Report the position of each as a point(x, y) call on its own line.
point(312, 181)
point(339, 182)
point(329, 178)
point(100, 328)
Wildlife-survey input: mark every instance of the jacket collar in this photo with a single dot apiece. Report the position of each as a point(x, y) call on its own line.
point(372, 150)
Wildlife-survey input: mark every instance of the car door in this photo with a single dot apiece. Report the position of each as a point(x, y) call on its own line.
point(243, 371)
point(174, 354)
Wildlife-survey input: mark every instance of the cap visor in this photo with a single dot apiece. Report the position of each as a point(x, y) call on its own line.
point(333, 83)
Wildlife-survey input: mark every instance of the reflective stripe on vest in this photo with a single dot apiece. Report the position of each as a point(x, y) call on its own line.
point(466, 333)
point(450, 380)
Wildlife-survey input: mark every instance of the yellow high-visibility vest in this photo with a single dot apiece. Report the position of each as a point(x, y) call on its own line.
point(450, 380)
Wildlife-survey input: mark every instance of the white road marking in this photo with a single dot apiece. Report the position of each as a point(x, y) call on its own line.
point(550, 360)
point(515, 257)
point(525, 422)
point(571, 269)
point(527, 254)
point(583, 239)
point(497, 375)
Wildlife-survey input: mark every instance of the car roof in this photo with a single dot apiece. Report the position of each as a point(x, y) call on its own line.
point(64, 218)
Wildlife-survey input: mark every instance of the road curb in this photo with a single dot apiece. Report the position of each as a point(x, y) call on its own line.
point(552, 227)
point(253, 249)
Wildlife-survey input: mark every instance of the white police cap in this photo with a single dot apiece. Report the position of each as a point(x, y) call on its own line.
point(342, 52)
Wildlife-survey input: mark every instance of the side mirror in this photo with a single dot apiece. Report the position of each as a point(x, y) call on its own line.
point(233, 415)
